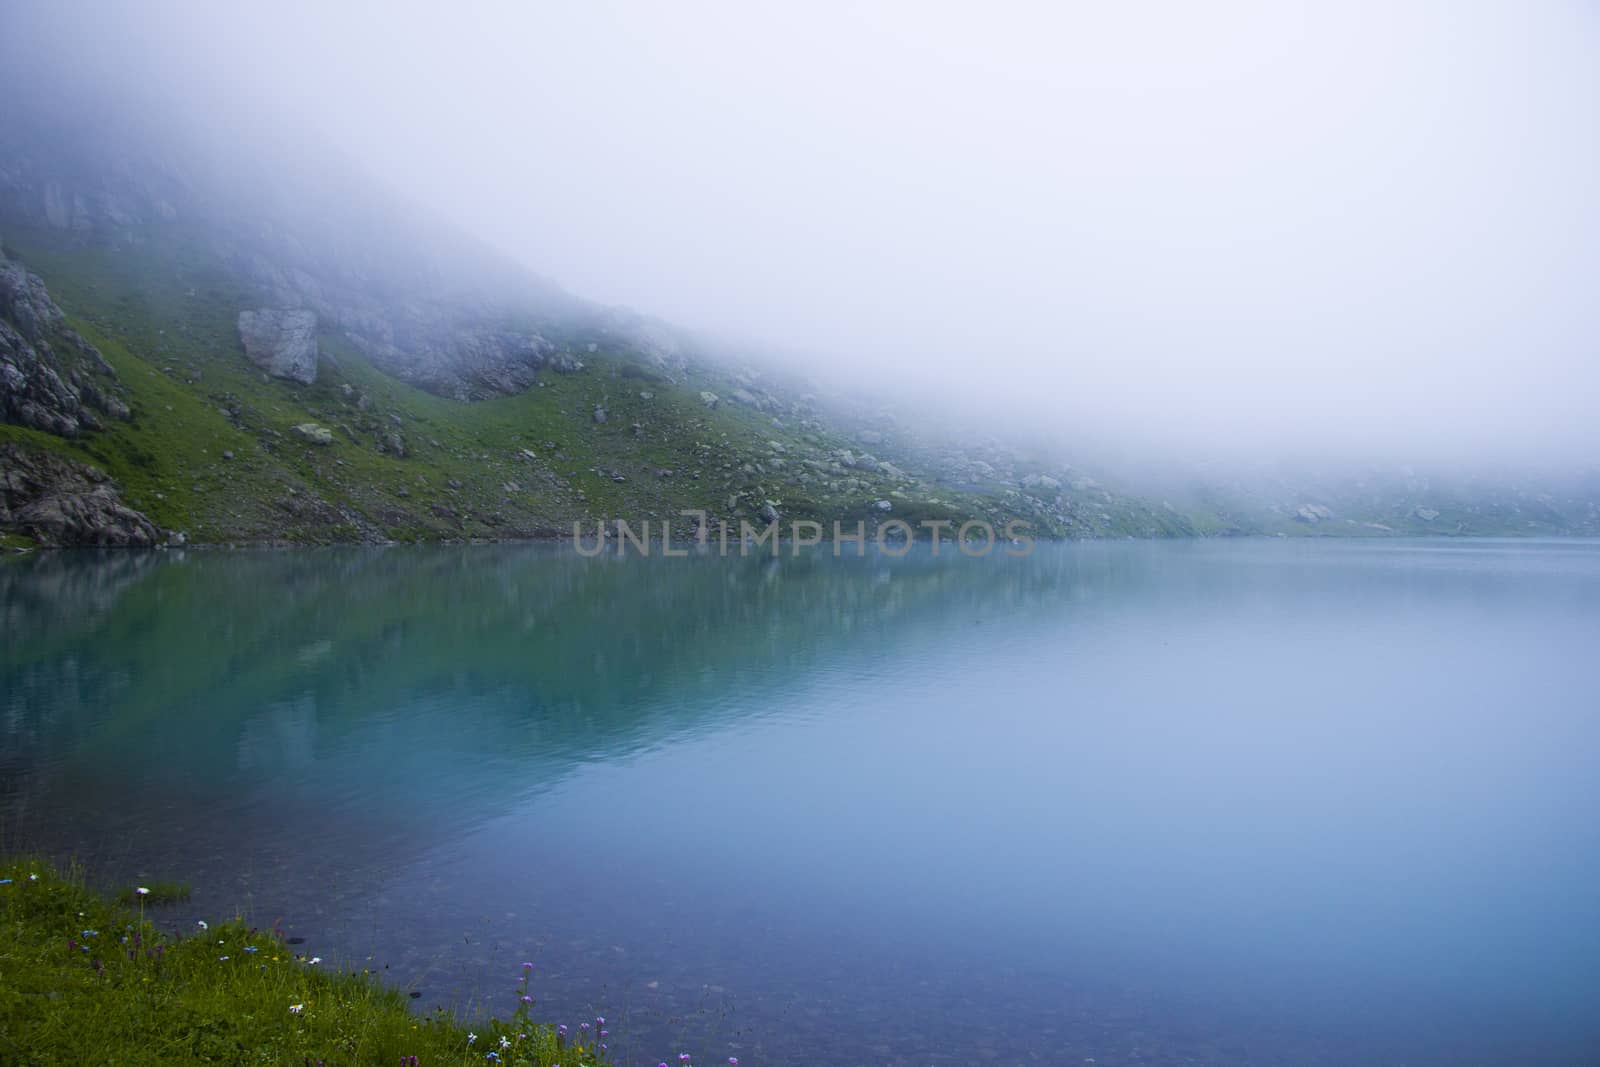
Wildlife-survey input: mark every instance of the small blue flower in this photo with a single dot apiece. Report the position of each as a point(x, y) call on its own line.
point(251, 948)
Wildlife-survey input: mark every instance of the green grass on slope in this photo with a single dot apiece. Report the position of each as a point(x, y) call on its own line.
point(211, 449)
point(83, 981)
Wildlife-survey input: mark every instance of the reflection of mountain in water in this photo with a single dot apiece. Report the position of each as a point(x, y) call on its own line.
point(418, 691)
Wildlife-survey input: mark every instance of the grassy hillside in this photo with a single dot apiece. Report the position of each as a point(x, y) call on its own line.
point(212, 449)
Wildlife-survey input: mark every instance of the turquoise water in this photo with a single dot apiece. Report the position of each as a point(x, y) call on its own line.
point(1176, 803)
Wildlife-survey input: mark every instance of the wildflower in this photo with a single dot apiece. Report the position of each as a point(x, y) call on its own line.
point(527, 966)
point(91, 933)
point(683, 1057)
point(33, 877)
point(202, 924)
point(493, 1057)
point(605, 1033)
point(143, 891)
point(222, 959)
point(733, 1061)
point(525, 999)
point(599, 1020)
point(314, 960)
point(296, 1009)
point(251, 948)
point(583, 1026)
point(5, 881)
point(471, 1038)
point(505, 1042)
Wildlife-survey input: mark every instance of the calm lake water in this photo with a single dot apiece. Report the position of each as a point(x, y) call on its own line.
point(1159, 803)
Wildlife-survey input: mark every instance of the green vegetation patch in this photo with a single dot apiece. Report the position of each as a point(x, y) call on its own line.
point(84, 980)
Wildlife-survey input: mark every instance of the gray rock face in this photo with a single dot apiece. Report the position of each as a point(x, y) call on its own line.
point(59, 502)
point(282, 342)
point(50, 378)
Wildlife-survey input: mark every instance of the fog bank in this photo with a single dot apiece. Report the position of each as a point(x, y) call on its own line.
point(1361, 230)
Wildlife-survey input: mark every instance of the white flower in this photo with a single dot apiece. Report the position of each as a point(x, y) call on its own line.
point(142, 891)
point(296, 1009)
point(202, 924)
point(314, 960)
point(471, 1038)
point(504, 1042)
point(33, 877)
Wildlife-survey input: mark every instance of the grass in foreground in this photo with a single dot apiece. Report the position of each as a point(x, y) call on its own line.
point(85, 981)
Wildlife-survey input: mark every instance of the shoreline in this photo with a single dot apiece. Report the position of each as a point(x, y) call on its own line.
point(87, 979)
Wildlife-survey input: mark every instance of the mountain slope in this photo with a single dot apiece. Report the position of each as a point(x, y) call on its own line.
point(430, 389)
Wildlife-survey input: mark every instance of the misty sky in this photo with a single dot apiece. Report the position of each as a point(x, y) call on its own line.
point(1374, 225)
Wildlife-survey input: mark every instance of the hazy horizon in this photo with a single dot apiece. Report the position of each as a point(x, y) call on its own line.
point(1363, 233)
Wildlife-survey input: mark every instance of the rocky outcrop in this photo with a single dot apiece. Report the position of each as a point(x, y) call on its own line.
point(50, 378)
point(282, 342)
point(62, 503)
point(313, 434)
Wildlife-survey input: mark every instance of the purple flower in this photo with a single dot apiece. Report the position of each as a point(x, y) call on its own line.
point(526, 999)
point(733, 1061)
point(527, 966)
point(583, 1026)
point(683, 1057)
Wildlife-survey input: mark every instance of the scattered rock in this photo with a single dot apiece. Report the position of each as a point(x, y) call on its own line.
point(311, 433)
point(710, 400)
